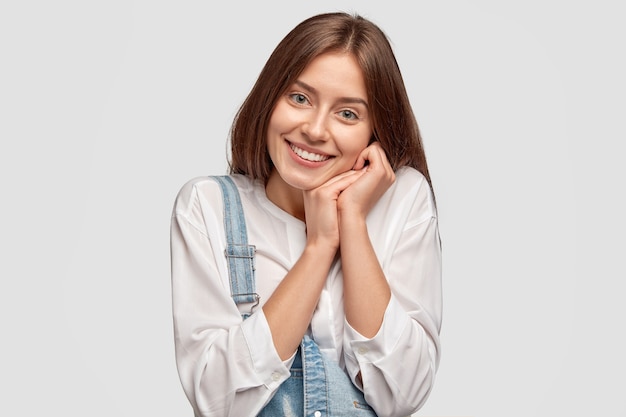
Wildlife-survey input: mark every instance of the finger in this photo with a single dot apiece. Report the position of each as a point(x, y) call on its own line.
point(373, 154)
point(362, 158)
point(342, 181)
point(381, 160)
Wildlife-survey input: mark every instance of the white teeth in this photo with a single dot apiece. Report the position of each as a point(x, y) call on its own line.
point(313, 157)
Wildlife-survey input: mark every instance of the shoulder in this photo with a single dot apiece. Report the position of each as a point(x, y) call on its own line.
point(190, 193)
point(411, 193)
point(205, 191)
point(413, 184)
point(410, 177)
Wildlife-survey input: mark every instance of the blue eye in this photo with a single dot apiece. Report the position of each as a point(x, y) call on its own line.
point(348, 114)
point(298, 98)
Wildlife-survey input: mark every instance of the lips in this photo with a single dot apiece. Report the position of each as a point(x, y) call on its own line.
point(308, 156)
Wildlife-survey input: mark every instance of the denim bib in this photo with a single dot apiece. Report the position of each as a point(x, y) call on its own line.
point(317, 386)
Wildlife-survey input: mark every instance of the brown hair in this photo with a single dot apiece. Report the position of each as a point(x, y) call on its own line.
point(393, 121)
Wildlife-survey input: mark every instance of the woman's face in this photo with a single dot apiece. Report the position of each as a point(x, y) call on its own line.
point(321, 123)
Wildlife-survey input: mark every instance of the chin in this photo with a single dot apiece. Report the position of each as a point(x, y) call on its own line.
point(302, 183)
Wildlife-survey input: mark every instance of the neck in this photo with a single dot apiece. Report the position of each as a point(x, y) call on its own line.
point(288, 198)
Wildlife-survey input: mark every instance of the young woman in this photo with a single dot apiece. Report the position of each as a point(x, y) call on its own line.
point(329, 166)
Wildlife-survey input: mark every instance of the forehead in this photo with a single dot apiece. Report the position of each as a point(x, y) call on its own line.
point(337, 72)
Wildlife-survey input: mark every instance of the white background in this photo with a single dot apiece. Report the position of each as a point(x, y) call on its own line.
point(108, 107)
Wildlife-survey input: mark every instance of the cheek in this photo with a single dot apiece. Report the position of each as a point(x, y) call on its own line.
point(355, 142)
point(273, 123)
point(281, 117)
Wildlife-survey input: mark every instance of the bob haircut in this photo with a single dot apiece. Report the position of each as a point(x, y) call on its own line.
point(393, 122)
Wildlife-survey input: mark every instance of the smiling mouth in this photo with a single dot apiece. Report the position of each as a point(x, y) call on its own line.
point(308, 156)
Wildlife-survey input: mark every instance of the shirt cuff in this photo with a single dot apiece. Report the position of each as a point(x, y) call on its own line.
point(370, 350)
point(269, 367)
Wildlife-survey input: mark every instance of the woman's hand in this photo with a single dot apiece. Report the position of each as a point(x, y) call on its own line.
point(321, 209)
point(377, 176)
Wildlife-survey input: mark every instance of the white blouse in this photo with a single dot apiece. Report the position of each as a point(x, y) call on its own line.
point(229, 367)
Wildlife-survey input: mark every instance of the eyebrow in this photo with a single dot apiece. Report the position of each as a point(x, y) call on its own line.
point(342, 99)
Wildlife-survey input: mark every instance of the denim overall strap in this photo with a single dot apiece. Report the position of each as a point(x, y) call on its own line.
point(239, 254)
point(314, 380)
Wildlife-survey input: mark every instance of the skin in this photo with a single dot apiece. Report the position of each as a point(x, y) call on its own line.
point(326, 113)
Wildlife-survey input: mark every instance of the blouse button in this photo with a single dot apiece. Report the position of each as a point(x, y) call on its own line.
point(275, 376)
point(317, 414)
point(362, 351)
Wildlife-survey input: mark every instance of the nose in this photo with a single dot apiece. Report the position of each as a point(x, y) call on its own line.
point(316, 126)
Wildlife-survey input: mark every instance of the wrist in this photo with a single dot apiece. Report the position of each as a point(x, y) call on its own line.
point(321, 249)
point(351, 218)
point(352, 229)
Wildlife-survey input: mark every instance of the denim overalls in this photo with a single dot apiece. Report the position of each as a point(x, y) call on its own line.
point(317, 387)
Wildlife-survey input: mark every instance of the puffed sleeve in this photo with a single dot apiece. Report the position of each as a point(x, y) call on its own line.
point(399, 363)
point(227, 366)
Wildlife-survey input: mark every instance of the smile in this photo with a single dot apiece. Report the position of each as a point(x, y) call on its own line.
point(308, 156)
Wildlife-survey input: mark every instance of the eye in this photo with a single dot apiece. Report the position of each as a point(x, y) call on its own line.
point(348, 115)
point(298, 98)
